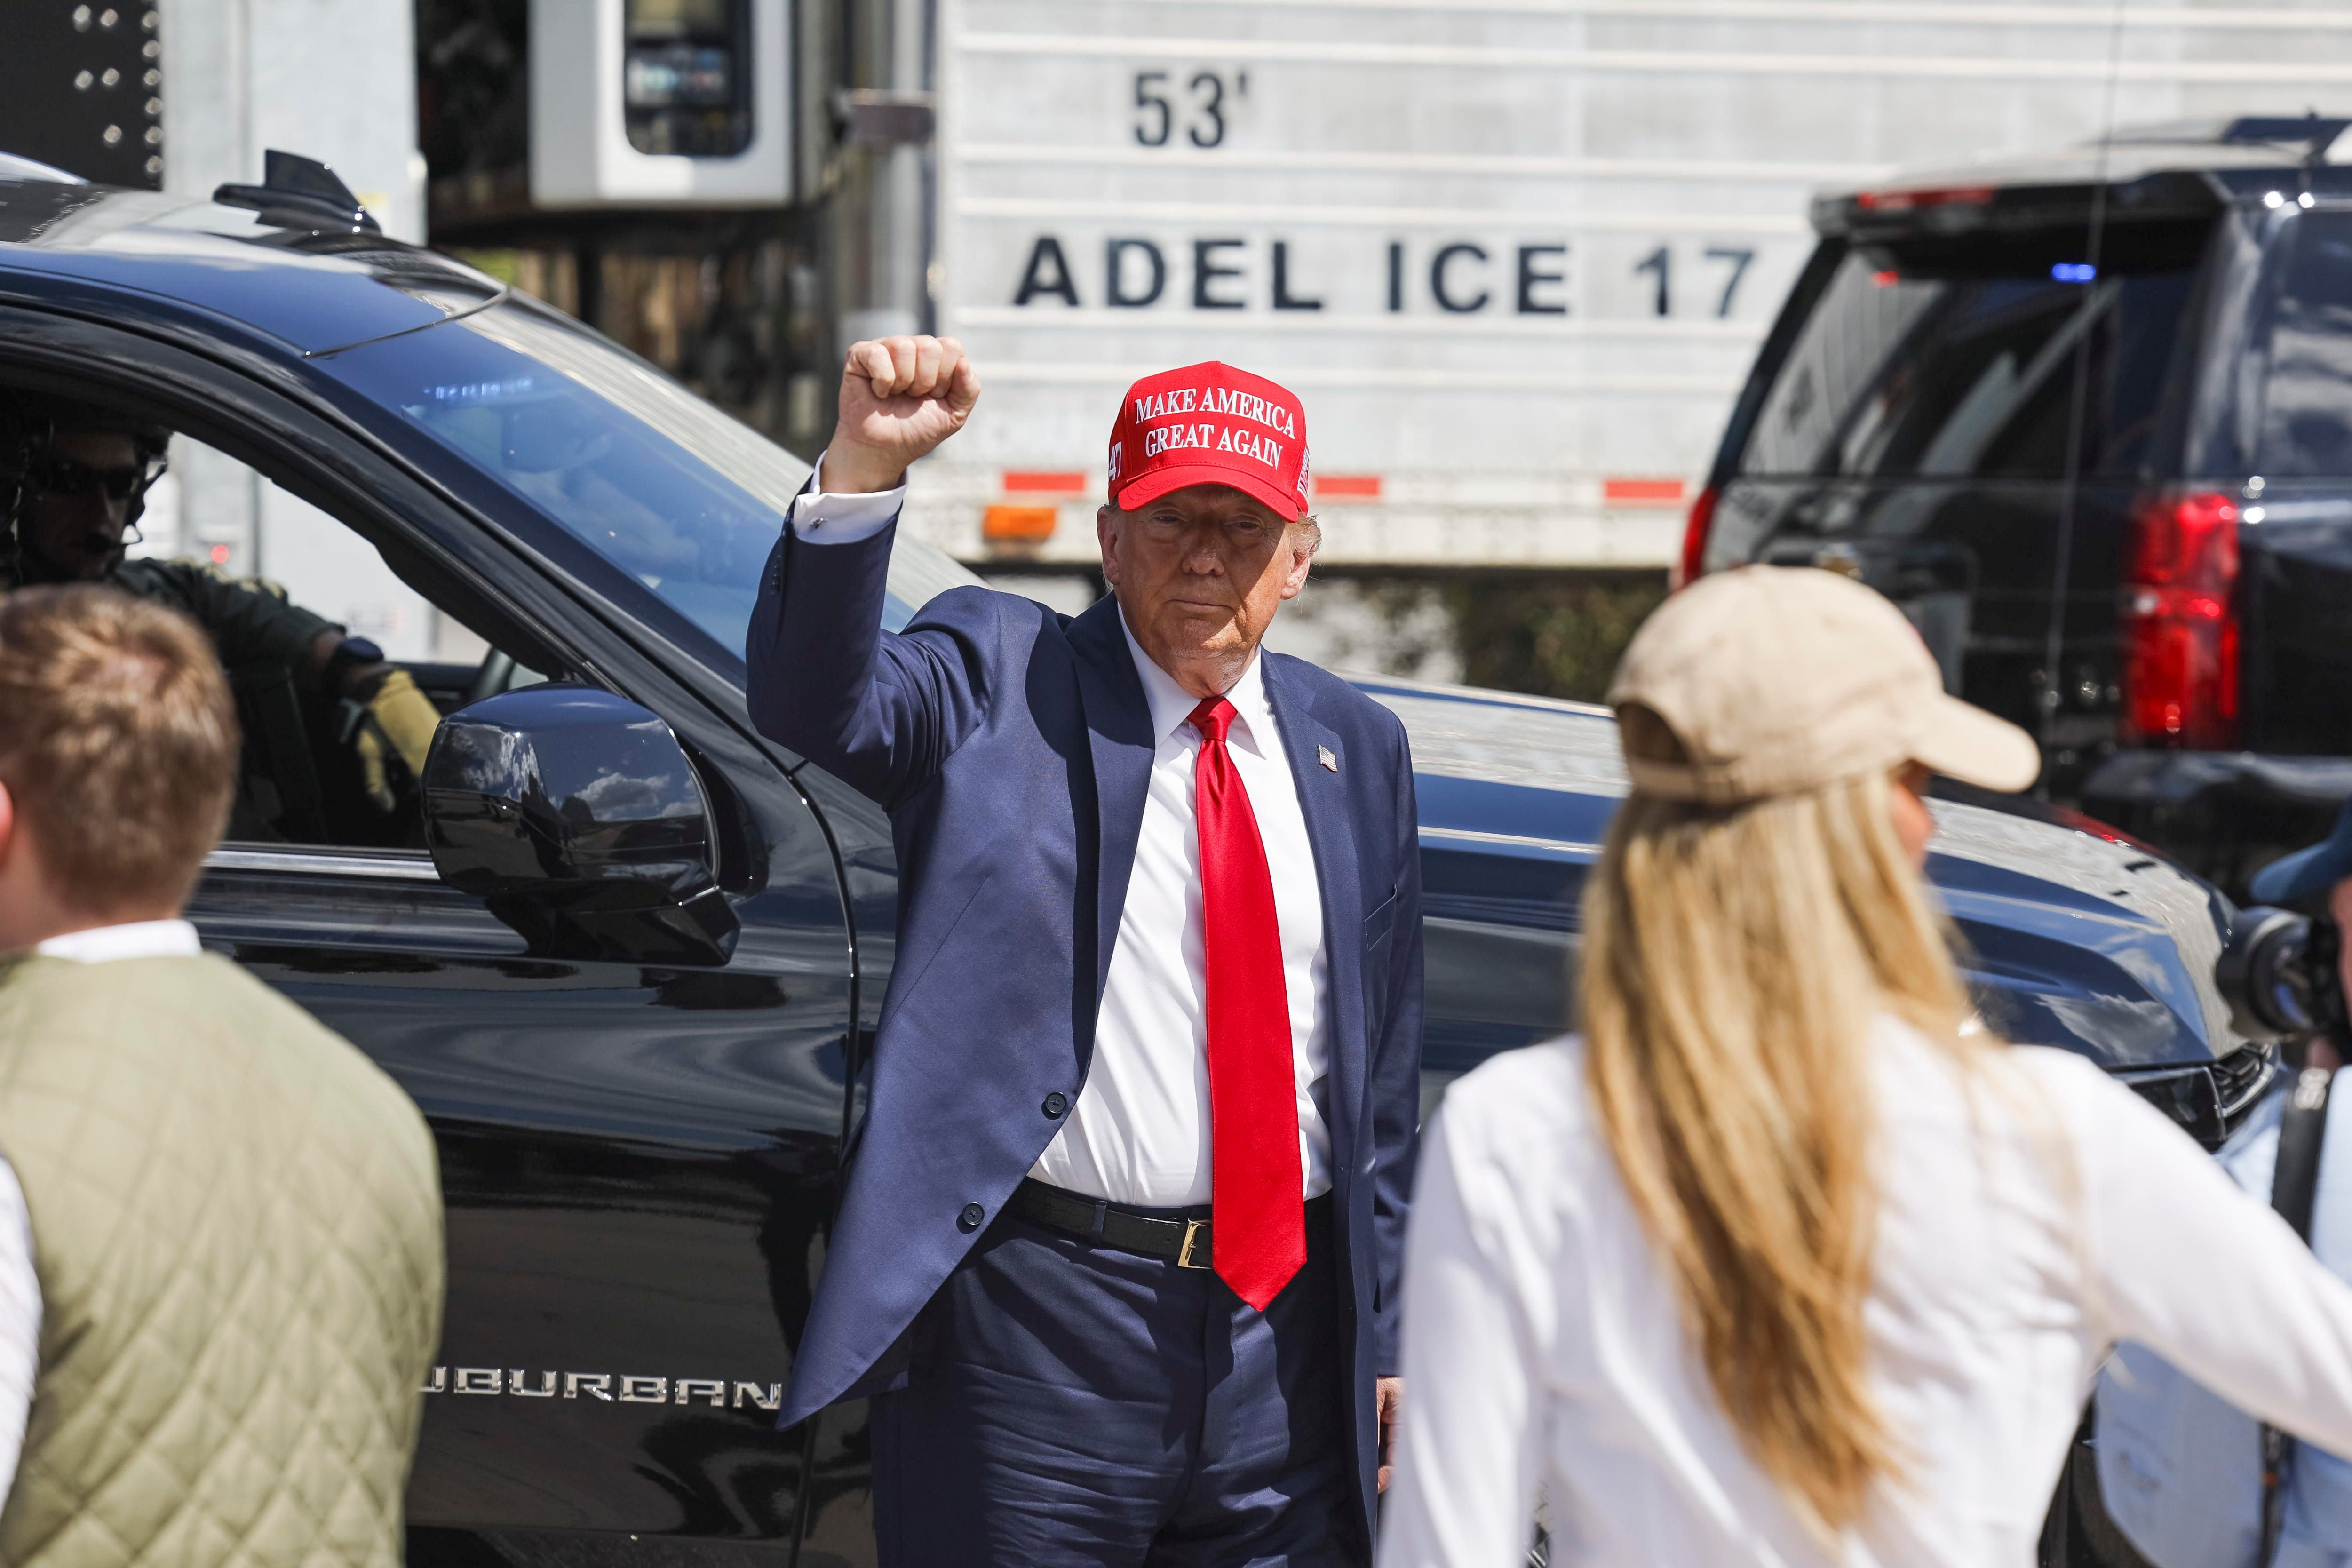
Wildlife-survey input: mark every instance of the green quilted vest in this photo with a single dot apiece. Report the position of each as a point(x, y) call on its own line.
point(237, 1221)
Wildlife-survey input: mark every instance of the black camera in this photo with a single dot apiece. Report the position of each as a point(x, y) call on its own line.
point(2278, 972)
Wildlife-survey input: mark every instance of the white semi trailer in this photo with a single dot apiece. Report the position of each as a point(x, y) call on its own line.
point(1515, 255)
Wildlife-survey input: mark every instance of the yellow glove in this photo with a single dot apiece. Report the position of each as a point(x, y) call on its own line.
point(406, 718)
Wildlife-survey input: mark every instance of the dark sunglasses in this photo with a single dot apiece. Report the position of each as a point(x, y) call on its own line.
point(64, 476)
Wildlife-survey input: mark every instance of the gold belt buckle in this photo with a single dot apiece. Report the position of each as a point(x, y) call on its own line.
point(1193, 1228)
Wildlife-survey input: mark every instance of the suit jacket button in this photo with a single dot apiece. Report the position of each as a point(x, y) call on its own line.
point(1055, 1104)
point(970, 1217)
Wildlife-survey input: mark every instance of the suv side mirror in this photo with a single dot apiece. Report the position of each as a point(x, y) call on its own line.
point(577, 816)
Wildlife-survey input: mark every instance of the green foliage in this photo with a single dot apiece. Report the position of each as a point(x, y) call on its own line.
point(1549, 634)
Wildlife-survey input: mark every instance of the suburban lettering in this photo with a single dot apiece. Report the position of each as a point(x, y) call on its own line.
point(772, 1399)
point(634, 1389)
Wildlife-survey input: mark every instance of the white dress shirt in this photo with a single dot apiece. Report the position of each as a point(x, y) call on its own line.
point(821, 517)
point(2032, 1214)
point(20, 1285)
point(1138, 1131)
point(133, 939)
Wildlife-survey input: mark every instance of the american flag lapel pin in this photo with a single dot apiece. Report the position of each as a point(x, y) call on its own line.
point(1330, 762)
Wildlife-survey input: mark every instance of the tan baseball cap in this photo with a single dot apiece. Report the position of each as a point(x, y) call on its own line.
point(1777, 678)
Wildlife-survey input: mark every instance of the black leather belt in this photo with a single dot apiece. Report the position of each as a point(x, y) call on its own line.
point(1176, 1236)
point(1181, 1236)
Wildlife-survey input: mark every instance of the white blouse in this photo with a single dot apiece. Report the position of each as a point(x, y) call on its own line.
point(2033, 1215)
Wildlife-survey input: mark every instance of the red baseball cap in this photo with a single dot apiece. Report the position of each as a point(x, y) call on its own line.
point(1210, 425)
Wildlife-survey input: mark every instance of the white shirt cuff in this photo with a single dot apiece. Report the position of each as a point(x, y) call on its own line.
point(20, 1325)
point(822, 518)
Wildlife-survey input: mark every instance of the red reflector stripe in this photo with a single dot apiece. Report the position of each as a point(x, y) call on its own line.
point(1019, 481)
point(1365, 486)
point(1642, 492)
point(1908, 201)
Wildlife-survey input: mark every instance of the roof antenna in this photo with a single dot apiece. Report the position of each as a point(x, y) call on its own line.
point(300, 193)
point(2052, 693)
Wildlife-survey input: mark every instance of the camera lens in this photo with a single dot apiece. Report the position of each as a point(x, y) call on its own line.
point(2267, 976)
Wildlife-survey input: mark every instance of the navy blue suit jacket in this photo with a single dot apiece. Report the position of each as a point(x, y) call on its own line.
point(1011, 747)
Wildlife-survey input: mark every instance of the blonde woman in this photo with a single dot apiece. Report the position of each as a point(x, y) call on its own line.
point(1778, 1263)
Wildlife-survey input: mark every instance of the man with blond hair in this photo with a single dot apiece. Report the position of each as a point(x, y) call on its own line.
point(220, 1225)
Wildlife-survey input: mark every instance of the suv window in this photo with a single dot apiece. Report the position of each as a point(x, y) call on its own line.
point(2307, 402)
point(263, 572)
point(1961, 365)
point(683, 498)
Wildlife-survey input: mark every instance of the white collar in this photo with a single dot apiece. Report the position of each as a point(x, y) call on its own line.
point(1171, 705)
point(133, 939)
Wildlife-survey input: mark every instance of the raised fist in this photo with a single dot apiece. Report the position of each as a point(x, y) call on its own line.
point(900, 397)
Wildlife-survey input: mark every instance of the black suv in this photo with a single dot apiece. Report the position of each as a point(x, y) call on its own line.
point(2088, 419)
point(624, 953)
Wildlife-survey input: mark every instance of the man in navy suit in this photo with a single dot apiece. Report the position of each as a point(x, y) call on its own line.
point(1118, 1256)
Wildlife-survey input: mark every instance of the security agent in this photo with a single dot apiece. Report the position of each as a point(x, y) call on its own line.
point(74, 478)
point(2191, 1481)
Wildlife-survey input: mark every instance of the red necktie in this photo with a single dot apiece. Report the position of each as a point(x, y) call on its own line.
point(1259, 1228)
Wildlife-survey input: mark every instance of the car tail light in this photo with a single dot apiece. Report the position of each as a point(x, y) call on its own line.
point(1918, 199)
point(1694, 532)
point(2179, 624)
